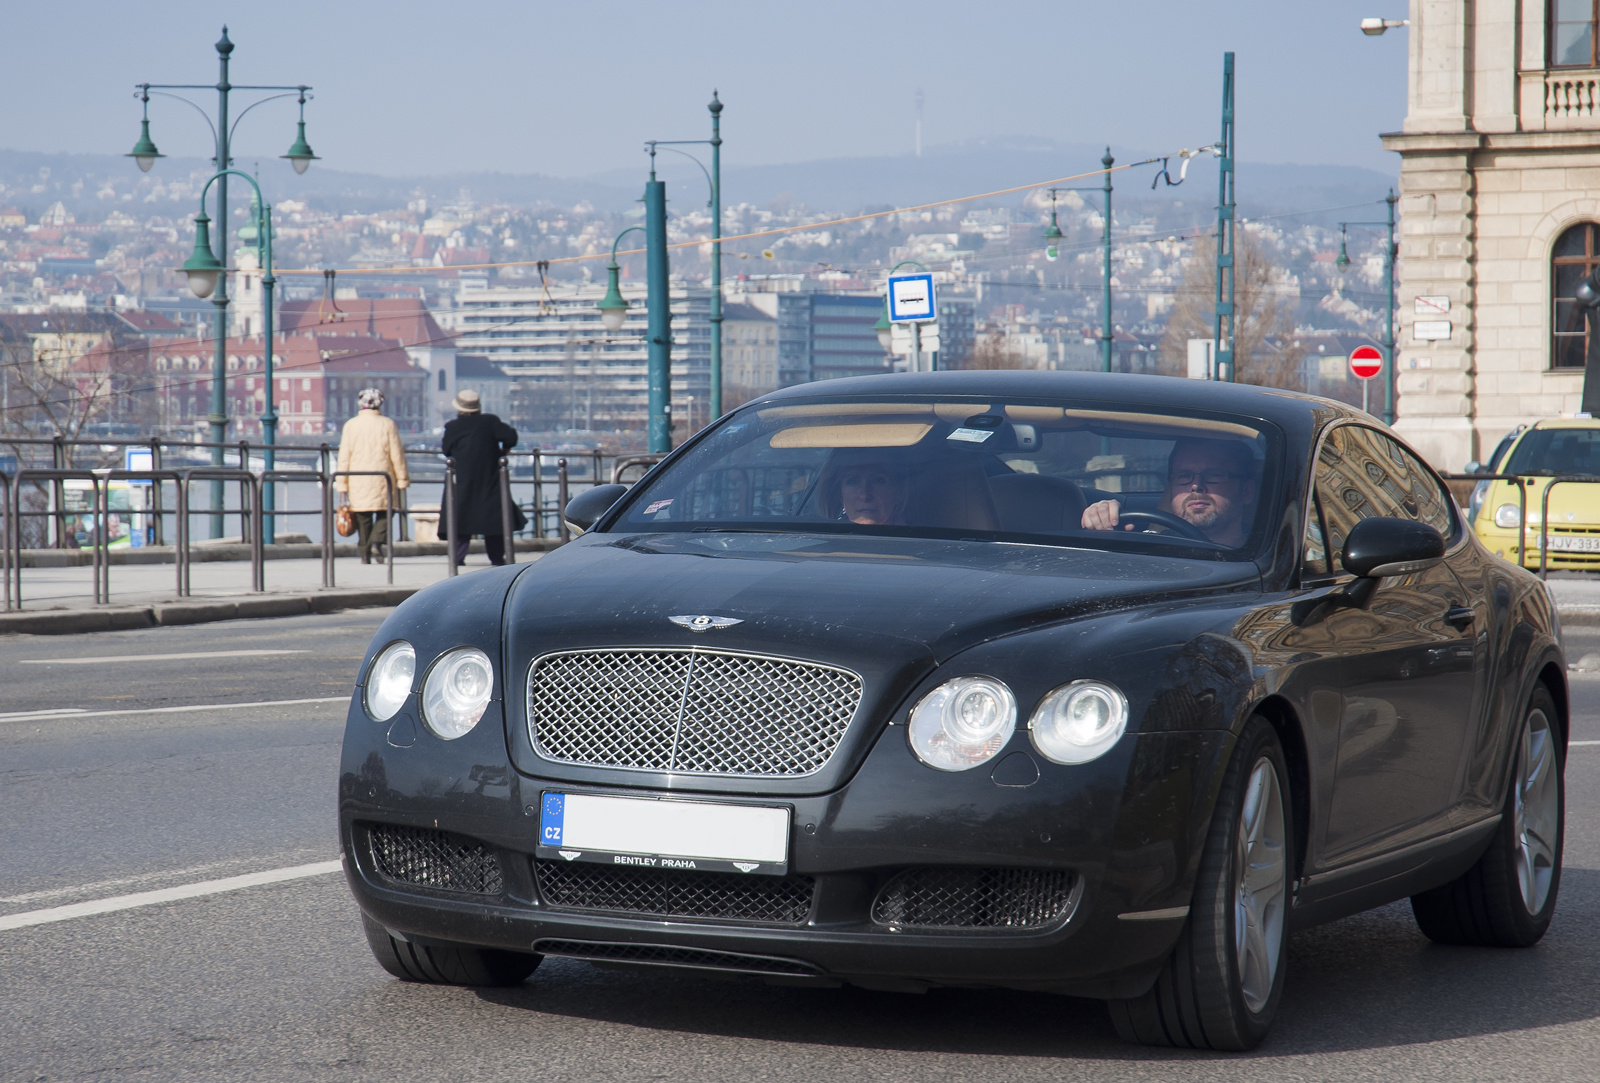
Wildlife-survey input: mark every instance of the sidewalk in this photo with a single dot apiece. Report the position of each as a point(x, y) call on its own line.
point(59, 600)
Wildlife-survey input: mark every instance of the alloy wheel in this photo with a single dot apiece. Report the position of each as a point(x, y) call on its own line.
point(1260, 868)
point(1536, 811)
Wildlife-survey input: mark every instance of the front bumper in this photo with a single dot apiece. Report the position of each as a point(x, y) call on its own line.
point(1128, 829)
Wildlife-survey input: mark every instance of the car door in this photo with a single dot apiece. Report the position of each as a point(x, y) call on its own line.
point(1409, 685)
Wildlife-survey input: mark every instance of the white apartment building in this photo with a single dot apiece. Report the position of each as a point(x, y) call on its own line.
point(568, 371)
point(1500, 218)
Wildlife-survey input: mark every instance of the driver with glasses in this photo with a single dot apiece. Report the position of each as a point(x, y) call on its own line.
point(1210, 485)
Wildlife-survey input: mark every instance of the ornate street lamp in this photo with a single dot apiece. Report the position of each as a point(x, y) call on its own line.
point(144, 152)
point(613, 306)
point(203, 267)
point(300, 155)
point(1052, 233)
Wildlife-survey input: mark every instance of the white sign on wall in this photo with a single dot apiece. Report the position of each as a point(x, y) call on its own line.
point(1432, 306)
point(1430, 330)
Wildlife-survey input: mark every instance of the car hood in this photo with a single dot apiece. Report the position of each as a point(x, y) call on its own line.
point(829, 597)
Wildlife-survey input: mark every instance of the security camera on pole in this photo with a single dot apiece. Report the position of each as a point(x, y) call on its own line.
point(914, 317)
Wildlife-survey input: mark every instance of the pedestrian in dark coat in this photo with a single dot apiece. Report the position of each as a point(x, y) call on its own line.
point(476, 441)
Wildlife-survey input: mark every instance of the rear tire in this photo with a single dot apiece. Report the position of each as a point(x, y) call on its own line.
point(1507, 899)
point(1223, 983)
point(457, 964)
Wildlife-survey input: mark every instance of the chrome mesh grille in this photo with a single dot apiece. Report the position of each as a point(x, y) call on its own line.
point(671, 893)
point(957, 897)
point(436, 859)
point(696, 711)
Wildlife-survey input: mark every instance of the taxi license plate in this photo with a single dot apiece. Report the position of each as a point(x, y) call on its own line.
point(663, 834)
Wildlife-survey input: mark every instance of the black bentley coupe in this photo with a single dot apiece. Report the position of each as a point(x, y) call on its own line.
point(1076, 683)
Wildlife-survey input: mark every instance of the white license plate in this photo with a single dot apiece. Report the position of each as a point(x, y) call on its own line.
point(663, 834)
point(1567, 543)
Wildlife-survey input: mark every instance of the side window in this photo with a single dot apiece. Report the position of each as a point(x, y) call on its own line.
point(1362, 473)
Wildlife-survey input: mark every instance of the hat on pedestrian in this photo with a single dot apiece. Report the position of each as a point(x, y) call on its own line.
point(468, 402)
point(370, 399)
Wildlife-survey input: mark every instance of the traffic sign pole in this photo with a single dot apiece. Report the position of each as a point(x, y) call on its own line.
point(1365, 363)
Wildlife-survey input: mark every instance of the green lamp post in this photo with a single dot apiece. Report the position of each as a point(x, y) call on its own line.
point(714, 179)
point(1052, 233)
point(144, 153)
point(1052, 252)
point(205, 272)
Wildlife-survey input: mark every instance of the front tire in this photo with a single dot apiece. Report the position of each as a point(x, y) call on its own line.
point(457, 964)
point(1223, 983)
point(1507, 899)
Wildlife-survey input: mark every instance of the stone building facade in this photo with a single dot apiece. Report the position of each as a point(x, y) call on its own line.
point(1499, 186)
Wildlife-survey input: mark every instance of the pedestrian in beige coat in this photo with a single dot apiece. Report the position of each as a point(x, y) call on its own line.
point(370, 441)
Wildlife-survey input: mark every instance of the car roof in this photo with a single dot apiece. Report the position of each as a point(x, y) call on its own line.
point(1291, 409)
point(1567, 423)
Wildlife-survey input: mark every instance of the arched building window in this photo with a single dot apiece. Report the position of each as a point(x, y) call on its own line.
point(1576, 253)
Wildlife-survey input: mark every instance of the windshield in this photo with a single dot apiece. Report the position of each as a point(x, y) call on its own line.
point(1120, 476)
point(1556, 451)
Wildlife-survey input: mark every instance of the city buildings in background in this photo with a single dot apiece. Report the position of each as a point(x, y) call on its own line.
point(96, 255)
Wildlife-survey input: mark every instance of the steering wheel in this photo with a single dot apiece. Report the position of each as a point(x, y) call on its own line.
point(1164, 519)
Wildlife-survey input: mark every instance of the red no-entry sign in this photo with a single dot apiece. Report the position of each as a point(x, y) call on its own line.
point(1366, 362)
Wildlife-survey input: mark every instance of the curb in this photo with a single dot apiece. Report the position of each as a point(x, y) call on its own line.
point(1579, 615)
point(129, 618)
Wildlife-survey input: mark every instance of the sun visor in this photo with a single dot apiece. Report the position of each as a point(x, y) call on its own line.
point(886, 434)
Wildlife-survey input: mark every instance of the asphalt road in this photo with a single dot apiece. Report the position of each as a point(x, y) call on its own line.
point(274, 981)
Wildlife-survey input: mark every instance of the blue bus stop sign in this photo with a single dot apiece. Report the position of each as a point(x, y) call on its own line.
point(911, 298)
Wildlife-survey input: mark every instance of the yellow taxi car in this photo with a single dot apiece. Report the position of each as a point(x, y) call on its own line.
point(1537, 455)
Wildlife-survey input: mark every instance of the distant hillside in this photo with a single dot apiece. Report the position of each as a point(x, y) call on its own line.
point(841, 185)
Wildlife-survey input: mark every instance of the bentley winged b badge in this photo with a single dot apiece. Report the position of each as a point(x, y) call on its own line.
point(704, 622)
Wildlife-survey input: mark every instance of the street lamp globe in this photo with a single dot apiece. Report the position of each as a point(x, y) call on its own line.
point(144, 152)
point(202, 266)
point(1052, 239)
point(613, 306)
point(300, 155)
point(884, 328)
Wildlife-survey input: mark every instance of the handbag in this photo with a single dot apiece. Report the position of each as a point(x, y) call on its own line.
point(343, 521)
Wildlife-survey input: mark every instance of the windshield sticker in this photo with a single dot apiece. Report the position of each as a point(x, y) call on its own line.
point(658, 505)
point(971, 436)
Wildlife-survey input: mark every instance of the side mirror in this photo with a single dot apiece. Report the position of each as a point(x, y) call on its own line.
point(1378, 547)
point(584, 509)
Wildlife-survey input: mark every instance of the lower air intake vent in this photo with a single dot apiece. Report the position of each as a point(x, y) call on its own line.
point(435, 859)
point(666, 955)
point(956, 897)
point(667, 893)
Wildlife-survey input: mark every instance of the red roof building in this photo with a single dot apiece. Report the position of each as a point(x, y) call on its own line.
point(317, 380)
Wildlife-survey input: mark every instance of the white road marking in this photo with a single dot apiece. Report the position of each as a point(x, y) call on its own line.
point(53, 712)
point(55, 716)
point(149, 657)
point(121, 881)
point(165, 895)
point(1570, 744)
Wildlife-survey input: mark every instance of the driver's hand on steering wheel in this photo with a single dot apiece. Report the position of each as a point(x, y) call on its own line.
point(1102, 515)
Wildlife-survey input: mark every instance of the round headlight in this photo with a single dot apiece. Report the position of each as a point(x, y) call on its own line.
point(963, 723)
point(456, 692)
point(1508, 516)
point(389, 680)
point(1078, 722)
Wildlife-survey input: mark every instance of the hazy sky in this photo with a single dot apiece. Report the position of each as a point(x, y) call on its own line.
point(406, 87)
